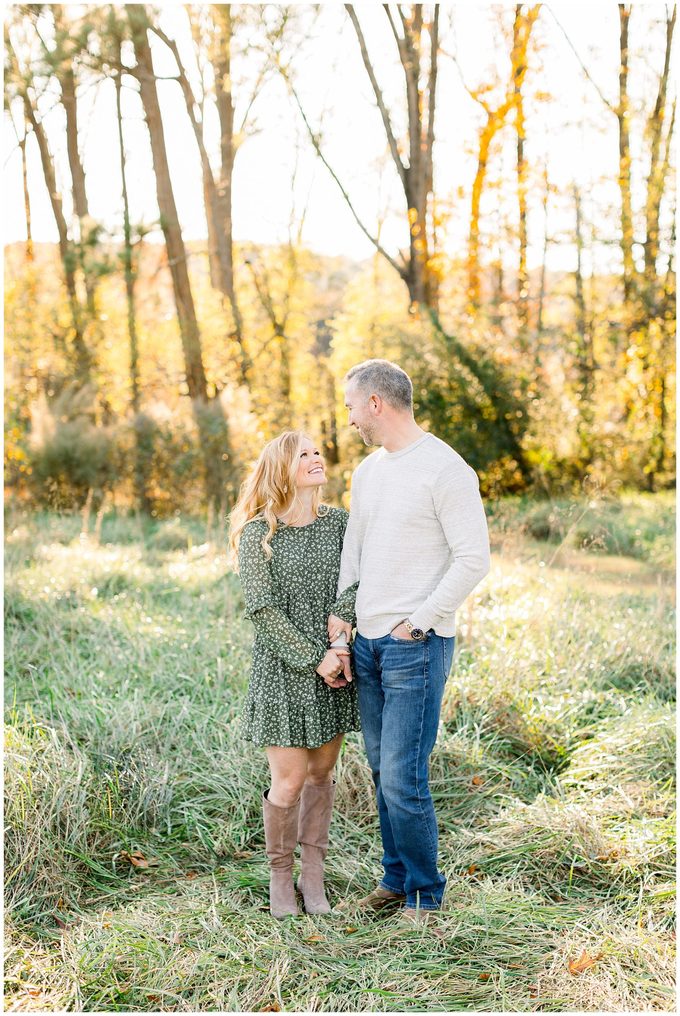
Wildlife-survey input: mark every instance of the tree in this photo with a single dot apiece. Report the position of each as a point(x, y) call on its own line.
point(21, 82)
point(495, 119)
point(213, 30)
point(116, 34)
point(212, 429)
point(416, 35)
point(521, 32)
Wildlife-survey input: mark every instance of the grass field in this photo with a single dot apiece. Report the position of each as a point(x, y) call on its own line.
point(134, 865)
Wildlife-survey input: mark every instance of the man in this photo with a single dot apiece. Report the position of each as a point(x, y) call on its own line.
point(417, 544)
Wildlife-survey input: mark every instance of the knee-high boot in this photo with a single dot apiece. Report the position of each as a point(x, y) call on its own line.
point(280, 833)
point(316, 805)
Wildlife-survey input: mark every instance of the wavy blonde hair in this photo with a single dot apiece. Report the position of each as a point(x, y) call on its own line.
point(269, 490)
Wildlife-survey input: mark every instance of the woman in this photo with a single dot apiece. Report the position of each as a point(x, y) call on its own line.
point(301, 698)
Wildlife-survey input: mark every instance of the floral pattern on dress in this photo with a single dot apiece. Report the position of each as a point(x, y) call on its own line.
point(288, 599)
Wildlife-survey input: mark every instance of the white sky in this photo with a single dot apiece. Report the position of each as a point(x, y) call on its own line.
point(574, 132)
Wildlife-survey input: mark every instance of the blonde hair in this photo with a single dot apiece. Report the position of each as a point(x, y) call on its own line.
point(269, 490)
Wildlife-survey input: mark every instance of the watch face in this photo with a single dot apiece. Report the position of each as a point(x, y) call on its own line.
point(417, 634)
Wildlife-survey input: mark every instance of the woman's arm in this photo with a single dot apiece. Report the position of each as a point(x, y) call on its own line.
point(271, 623)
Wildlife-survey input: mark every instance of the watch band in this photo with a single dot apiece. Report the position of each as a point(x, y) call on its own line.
point(417, 634)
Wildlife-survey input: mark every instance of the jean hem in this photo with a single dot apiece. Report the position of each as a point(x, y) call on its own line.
point(391, 889)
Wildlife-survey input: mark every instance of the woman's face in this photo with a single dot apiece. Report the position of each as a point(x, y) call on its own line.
point(311, 471)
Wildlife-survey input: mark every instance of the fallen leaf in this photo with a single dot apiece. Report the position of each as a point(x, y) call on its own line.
point(191, 874)
point(61, 924)
point(242, 855)
point(584, 961)
point(315, 938)
point(533, 991)
point(472, 869)
point(350, 931)
point(484, 977)
point(137, 859)
point(274, 1007)
point(478, 780)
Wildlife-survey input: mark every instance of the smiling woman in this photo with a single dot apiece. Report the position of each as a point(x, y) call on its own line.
point(301, 697)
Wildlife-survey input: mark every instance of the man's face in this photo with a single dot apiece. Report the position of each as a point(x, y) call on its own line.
point(360, 415)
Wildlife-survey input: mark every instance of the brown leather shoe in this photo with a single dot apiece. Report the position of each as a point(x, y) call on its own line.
point(316, 805)
point(380, 899)
point(280, 833)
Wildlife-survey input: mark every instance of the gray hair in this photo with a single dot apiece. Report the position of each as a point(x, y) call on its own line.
point(383, 378)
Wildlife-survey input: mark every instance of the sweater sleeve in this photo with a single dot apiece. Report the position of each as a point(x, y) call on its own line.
point(344, 606)
point(460, 511)
point(351, 548)
point(271, 623)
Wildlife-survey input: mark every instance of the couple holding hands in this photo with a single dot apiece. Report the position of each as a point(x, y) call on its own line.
point(396, 568)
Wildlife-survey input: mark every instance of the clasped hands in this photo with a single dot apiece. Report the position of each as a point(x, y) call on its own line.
point(335, 668)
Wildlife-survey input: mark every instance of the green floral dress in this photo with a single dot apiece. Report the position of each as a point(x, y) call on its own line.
point(288, 599)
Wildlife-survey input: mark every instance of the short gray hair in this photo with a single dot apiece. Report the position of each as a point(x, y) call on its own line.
point(385, 379)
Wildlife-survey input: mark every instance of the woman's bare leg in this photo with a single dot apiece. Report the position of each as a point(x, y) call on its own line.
point(321, 761)
point(288, 767)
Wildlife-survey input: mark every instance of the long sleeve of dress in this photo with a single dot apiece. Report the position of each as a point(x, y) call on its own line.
point(272, 624)
point(345, 604)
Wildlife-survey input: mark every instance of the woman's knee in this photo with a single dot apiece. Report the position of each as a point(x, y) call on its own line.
point(319, 775)
point(285, 790)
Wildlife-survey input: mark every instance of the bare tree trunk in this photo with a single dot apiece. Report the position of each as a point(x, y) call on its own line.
point(27, 200)
point(544, 258)
point(141, 468)
point(63, 63)
point(225, 109)
point(217, 195)
point(82, 357)
point(522, 28)
point(658, 171)
point(495, 120)
point(622, 114)
point(416, 177)
point(212, 433)
point(584, 350)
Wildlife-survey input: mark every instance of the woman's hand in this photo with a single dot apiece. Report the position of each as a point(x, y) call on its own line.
point(335, 668)
point(336, 625)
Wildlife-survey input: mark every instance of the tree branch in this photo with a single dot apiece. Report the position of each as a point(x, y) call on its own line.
point(378, 94)
point(317, 148)
point(610, 105)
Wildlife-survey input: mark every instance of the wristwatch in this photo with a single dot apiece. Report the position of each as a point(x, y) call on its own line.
point(417, 634)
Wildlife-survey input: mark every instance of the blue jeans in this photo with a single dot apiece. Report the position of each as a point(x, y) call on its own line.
point(400, 684)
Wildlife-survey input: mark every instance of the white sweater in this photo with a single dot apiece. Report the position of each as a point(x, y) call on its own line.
point(417, 540)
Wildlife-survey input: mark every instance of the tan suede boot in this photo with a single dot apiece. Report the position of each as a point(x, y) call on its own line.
point(316, 805)
point(280, 833)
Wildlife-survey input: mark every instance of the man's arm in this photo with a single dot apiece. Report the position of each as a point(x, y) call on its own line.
point(350, 560)
point(461, 515)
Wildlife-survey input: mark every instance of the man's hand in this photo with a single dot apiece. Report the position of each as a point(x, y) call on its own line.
point(335, 668)
point(336, 625)
point(402, 632)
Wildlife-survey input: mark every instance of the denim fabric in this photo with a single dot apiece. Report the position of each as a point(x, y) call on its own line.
point(400, 684)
